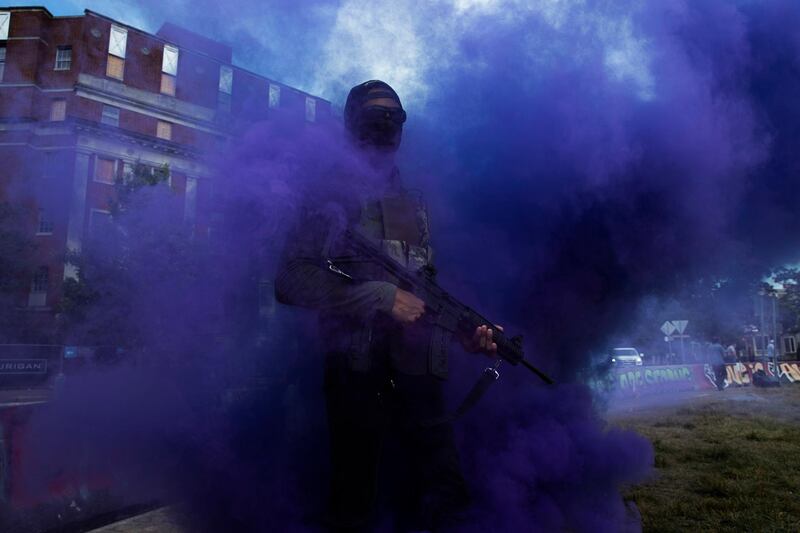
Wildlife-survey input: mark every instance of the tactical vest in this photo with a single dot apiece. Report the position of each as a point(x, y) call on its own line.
point(400, 223)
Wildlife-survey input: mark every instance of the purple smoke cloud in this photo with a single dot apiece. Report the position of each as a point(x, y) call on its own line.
point(576, 159)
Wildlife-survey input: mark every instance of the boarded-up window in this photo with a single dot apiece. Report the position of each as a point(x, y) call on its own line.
point(105, 169)
point(118, 41)
point(169, 63)
point(63, 58)
point(311, 109)
point(5, 22)
point(115, 68)
point(225, 79)
point(58, 109)
point(274, 96)
point(168, 84)
point(164, 130)
point(110, 115)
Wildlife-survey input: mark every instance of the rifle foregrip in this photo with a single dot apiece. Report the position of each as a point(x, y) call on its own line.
point(508, 348)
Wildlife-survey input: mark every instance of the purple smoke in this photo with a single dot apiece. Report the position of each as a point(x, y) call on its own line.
point(577, 159)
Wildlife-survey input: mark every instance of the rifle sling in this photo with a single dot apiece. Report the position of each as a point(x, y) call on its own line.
point(477, 391)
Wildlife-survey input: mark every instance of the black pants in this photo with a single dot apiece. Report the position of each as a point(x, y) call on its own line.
point(362, 409)
point(720, 373)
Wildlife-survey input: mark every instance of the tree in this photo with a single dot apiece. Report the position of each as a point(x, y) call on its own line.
point(787, 279)
point(140, 276)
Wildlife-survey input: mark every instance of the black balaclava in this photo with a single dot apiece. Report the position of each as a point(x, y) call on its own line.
point(377, 126)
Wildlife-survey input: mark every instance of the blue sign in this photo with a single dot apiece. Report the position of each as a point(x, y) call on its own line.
point(70, 352)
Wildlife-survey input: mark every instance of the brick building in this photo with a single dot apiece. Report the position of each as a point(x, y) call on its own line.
point(82, 98)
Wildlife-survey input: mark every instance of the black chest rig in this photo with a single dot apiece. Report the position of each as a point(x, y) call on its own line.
point(400, 223)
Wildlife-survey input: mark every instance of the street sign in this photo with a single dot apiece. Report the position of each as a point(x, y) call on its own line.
point(70, 352)
point(680, 325)
point(668, 328)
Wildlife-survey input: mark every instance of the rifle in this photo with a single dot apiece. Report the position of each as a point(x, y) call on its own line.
point(441, 308)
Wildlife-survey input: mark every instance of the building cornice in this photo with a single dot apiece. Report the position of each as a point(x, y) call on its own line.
point(147, 103)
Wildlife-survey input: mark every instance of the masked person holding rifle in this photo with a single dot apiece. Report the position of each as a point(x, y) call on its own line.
point(381, 372)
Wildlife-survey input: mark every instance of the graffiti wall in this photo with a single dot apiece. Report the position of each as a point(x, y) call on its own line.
point(634, 380)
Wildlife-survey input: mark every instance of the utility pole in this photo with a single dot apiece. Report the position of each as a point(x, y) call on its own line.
point(763, 327)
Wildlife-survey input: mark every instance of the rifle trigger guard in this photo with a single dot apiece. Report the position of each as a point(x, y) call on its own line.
point(492, 371)
point(336, 270)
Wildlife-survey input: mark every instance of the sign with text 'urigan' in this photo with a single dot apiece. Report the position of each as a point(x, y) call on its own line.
point(23, 366)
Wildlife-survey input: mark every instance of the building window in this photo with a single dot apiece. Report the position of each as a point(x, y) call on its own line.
point(115, 68)
point(63, 58)
point(224, 101)
point(118, 41)
point(167, 84)
point(274, 96)
point(117, 45)
point(169, 62)
point(225, 79)
point(105, 169)
point(45, 225)
point(5, 22)
point(110, 115)
point(789, 345)
point(164, 130)
point(311, 109)
point(58, 110)
point(39, 285)
point(49, 166)
point(2, 61)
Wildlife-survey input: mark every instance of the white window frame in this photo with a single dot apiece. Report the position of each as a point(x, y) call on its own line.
point(311, 109)
point(5, 23)
point(68, 61)
point(169, 61)
point(118, 41)
point(274, 96)
point(225, 79)
point(113, 174)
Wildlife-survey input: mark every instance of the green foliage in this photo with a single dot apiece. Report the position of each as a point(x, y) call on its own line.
point(141, 175)
point(146, 253)
point(789, 296)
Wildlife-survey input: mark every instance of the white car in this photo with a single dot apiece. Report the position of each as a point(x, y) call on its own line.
point(626, 356)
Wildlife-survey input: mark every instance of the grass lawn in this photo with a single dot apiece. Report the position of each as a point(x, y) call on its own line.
point(727, 462)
